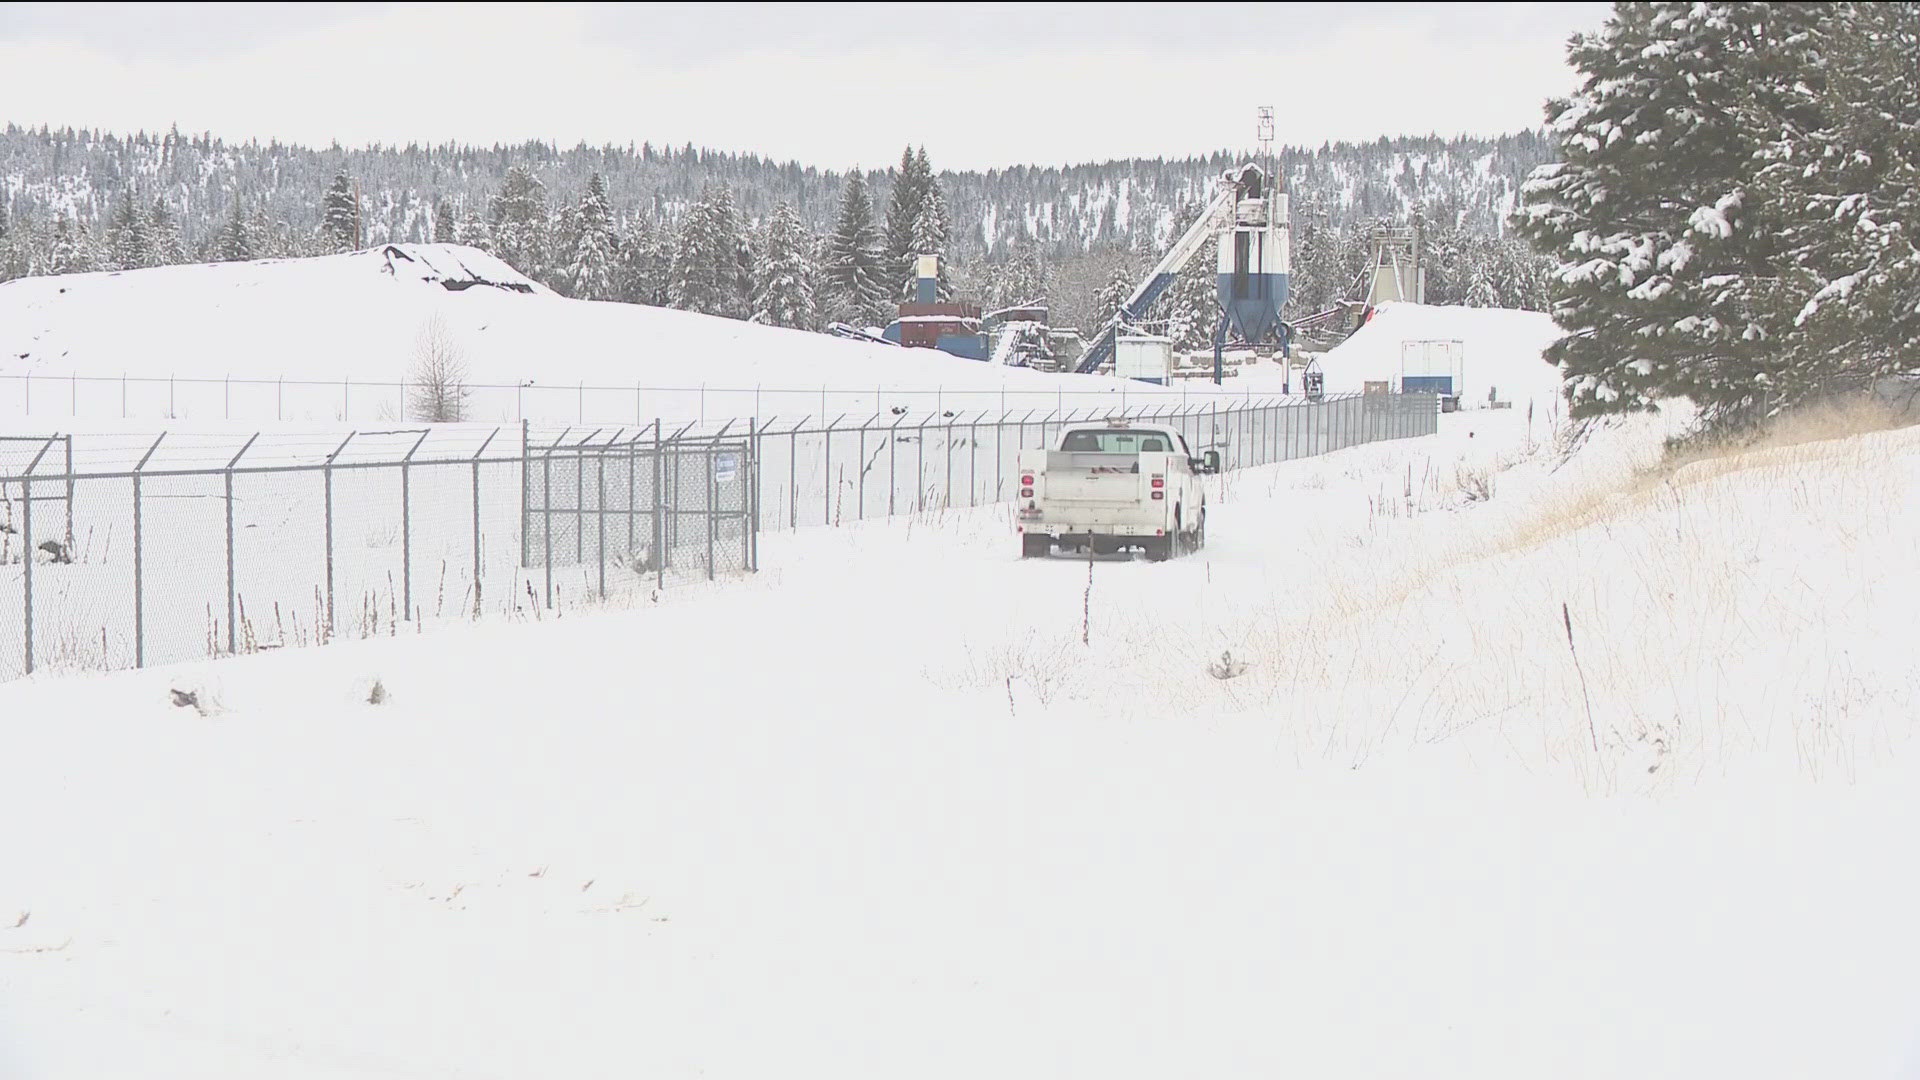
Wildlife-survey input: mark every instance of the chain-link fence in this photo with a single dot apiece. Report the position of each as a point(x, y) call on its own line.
point(612, 511)
point(829, 470)
point(188, 547)
point(117, 554)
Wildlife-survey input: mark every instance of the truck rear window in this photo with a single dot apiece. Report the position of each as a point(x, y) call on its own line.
point(1115, 441)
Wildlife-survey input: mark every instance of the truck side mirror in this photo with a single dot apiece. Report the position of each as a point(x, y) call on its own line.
point(1210, 461)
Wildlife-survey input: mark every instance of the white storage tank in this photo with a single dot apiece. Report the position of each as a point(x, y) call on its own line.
point(1143, 357)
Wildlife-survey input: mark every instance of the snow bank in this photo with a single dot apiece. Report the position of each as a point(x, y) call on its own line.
point(897, 789)
point(356, 317)
point(1502, 351)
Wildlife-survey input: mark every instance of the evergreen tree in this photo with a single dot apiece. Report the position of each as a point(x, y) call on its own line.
point(130, 241)
point(340, 215)
point(932, 237)
point(239, 242)
point(595, 257)
point(444, 230)
point(783, 292)
point(646, 263)
point(1120, 283)
point(519, 222)
point(912, 184)
point(1023, 277)
point(1190, 307)
point(1671, 259)
point(706, 261)
point(472, 230)
point(1841, 156)
point(858, 282)
point(168, 248)
point(72, 249)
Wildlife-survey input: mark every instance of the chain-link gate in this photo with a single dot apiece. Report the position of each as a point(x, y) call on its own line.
point(605, 515)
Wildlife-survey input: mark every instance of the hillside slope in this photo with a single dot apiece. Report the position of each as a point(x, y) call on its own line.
point(358, 316)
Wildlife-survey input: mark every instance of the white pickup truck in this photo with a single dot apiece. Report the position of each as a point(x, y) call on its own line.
point(1111, 485)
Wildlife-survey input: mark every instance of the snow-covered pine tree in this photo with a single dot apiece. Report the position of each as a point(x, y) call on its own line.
point(1842, 158)
point(72, 250)
point(444, 229)
point(168, 248)
point(1120, 283)
point(1190, 308)
point(783, 294)
point(129, 242)
point(706, 261)
point(859, 284)
point(519, 222)
point(910, 188)
point(932, 237)
point(595, 258)
point(1669, 258)
point(472, 229)
point(237, 241)
point(1023, 277)
point(646, 262)
point(10, 259)
point(340, 215)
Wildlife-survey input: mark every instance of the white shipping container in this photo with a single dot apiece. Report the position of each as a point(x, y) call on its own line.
point(1143, 356)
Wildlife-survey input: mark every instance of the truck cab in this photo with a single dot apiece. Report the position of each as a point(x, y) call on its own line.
point(1113, 485)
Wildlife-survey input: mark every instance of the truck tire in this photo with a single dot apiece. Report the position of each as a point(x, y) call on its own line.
point(1035, 545)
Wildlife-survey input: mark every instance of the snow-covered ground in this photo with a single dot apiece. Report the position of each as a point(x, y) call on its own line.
point(331, 339)
point(907, 805)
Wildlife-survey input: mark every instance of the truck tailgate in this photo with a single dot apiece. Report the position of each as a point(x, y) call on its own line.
point(1094, 479)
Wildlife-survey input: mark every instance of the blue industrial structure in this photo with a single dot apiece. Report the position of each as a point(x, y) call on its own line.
point(925, 322)
point(1248, 217)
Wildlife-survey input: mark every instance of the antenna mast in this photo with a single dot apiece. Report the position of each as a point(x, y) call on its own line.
point(1265, 132)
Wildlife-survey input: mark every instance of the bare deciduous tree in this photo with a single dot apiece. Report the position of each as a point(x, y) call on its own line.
point(438, 394)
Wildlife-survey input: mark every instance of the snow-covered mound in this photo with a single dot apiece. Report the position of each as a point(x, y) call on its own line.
point(358, 316)
point(1501, 350)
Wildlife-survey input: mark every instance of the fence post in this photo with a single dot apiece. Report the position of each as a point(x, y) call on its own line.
point(826, 485)
point(659, 500)
point(920, 467)
point(546, 520)
point(476, 520)
point(526, 553)
point(226, 391)
point(406, 531)
point(26, 554)
point(633, 487)
point(600, 519)
point(68, 440)
point(326, 472)
point(860, 497)
point(139, 579)
point(753, 492)
point(233, 636)
point(793, 477)
point(713, 489)
point(973, 462)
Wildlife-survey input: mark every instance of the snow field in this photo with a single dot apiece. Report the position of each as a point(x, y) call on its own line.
point(881, 811)
point(271, 341)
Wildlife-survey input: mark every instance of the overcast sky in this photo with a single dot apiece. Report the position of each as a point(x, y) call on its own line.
point(981, 85)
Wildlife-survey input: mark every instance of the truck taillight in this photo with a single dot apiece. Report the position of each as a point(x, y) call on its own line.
point(1159, 483)
point(1026, 480)
point(1026, 493)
